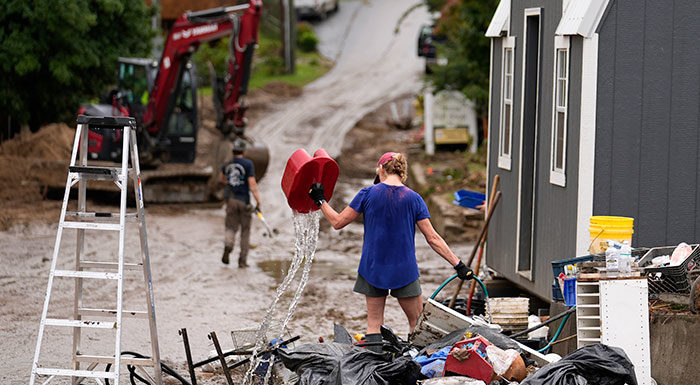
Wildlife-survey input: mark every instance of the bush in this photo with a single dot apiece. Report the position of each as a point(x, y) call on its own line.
point(302, 28)
point(56, 54)
point(306, 37)
point(270, 56)
point(308, 42)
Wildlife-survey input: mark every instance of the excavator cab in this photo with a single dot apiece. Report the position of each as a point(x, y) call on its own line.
point(181, 135)
point(136, 79)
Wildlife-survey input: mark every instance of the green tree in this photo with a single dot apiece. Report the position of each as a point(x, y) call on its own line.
point(467, 50)
point(55, 54)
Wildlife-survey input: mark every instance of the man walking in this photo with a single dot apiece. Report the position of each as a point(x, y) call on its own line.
point(239, 176)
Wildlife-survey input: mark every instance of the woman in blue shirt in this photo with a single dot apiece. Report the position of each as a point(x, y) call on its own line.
point(388, 264)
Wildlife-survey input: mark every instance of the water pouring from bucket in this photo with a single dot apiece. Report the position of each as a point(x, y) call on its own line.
point(301, 172)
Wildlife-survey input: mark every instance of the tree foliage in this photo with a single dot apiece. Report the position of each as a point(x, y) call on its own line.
point(467, 50)
point(55, 54)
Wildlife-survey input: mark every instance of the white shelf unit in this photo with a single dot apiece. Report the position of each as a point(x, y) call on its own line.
point(615, 312)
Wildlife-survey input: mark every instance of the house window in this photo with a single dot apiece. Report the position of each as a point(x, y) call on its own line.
point(557, 174)
point(505, 131)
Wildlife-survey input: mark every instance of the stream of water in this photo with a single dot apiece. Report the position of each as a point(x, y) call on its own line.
point(306, 237)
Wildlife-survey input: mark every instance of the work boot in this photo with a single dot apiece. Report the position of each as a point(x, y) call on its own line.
point(242, 261)
point(374, 342)
point(224, 257)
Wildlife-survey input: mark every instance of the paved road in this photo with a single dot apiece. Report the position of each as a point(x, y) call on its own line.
point(373, 44)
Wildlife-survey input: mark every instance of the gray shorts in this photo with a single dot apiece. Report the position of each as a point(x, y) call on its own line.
point(363, 287)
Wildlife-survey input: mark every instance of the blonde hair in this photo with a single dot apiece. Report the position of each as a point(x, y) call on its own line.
point(398, 165)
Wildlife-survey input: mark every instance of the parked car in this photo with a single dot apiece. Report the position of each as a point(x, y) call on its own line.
point(427, 46)
point(315, 8)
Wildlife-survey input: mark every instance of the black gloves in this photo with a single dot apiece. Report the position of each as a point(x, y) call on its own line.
point(317, 194)
point(463, 272)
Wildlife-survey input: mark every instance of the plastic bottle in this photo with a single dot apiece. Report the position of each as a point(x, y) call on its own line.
point(625, 262)
point(612, 257)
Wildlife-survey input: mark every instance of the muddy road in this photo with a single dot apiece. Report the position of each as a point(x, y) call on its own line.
point(373, 43)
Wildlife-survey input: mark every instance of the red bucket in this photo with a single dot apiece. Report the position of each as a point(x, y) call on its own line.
point(301, 172)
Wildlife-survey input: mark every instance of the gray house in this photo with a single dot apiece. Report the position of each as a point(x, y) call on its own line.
point(594, 109)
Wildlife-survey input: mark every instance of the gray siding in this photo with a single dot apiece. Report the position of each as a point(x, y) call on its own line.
point(647, 121)
point(555, 207)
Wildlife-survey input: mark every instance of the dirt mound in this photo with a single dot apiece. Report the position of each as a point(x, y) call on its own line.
point(53, 142)
point(29, 163)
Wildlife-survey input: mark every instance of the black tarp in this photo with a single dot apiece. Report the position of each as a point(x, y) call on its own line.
point(591, 365)
point(342, 364)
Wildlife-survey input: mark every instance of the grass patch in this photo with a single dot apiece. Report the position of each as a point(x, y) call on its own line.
point(310, 66)
point(268, 65)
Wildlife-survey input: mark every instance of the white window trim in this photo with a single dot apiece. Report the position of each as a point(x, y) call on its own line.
point(505, 160)
point(557, 176)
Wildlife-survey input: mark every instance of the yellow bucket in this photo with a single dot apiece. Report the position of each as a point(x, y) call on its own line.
point(613, 221)
point(603, 229)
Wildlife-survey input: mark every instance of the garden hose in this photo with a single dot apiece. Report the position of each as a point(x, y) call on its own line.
point(483, 287)
point(556, 335)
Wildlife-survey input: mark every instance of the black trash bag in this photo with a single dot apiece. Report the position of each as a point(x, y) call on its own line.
point(596, 364)
point(342, 364)
point(341, 335)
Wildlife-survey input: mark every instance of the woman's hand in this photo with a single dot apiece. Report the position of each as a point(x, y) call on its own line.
point(317, 193)
point(463, 272)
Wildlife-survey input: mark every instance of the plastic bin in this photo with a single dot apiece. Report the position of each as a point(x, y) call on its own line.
point(570, 291)
point(466, 198)
point(558, 268)
point(475, 365)
point(670, 279)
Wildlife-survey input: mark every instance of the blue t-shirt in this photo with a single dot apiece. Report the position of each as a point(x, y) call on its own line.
point(237, 173)
point(389, 248)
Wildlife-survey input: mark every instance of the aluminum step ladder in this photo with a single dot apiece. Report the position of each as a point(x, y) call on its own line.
point(82, 220)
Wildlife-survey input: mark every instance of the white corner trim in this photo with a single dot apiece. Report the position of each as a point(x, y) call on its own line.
point(587, 132)
point(504, 162)
point(557, 178)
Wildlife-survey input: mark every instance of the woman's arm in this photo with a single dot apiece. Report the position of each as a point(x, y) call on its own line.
point(338, 221)
point(436, 242)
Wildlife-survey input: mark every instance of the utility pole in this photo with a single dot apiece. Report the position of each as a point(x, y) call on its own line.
point(155, 26)
point(288, 19)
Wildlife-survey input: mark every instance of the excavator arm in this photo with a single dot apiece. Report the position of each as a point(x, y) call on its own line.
point(185, 37)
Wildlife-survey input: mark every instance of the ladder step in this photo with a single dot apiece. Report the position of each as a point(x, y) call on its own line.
point(81, 323)
point(85, 274)
point(98, 173)
point(111, 265)
point(110, 360)
point(91, 225)
point(74, 373)
point(111, 313)
point(96, 217)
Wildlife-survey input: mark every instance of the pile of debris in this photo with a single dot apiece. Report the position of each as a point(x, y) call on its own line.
point(478, 355)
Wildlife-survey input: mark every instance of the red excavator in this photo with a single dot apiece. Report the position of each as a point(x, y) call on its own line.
point(162, 97)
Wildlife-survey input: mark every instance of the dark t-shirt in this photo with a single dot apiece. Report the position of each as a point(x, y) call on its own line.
point(237, 173)
point(389, 249)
